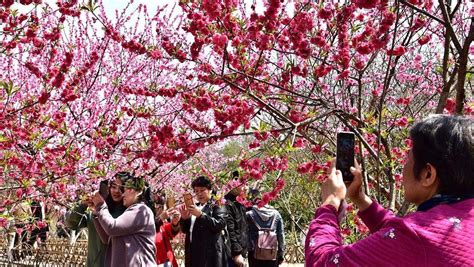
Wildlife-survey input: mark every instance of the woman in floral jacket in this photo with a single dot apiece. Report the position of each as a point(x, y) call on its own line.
point(438, 177)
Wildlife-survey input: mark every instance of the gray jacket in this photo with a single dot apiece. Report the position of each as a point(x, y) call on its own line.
point(131, 237)
point(263, 217)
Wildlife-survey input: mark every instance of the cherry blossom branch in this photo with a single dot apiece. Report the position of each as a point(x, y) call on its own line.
point(423, 12)
point(449, 26)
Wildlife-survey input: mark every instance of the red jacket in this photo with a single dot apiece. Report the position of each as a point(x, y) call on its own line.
point(164, 251)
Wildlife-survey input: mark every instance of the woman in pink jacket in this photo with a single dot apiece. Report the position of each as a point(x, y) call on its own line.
point(438, 177)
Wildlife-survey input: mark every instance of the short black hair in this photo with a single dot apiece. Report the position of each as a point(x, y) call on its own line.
point(255, 195)
point(202, 181)
point(235, 175)
point(446, 142)
point(123, 176)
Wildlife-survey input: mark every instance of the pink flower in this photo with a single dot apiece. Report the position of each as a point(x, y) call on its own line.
point(261, 136)
point(318, 40)
point(256, 174)
point(219, 41)
point(365, 48)
point(425, 39)
point(44, 97)
point(297, 116)
point(359, 64)
point(450, 105)
point(19, 193)
point(41, 224)
point(317, 149)
point(254, 144)
point(325, 13)
point(254, 163)
point(280, 183)
point(299, 143)
point(305, 167)
point(40, 183)
point(398, 51)
point(402, 122)
point(155, 54)
point(3, 222)
point(368, 4)
point(417, 24)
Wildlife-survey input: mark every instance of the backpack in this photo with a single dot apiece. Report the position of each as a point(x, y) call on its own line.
point(266, 247)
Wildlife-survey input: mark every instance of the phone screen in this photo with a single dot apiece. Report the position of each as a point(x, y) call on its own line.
point(104, 188)
point(345, 154)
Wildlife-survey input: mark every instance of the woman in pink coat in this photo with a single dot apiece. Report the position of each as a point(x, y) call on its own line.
point(438, 177)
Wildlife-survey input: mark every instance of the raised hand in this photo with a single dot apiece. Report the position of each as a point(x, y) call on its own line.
point(355, 192)
point(97, 199)
point(185, 214)
point(333, 190)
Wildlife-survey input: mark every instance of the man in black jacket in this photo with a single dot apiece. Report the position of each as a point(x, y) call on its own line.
point(236, 226)
point(204, 224)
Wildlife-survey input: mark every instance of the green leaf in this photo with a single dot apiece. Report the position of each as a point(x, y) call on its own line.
point(8, 87)
point(3, 138)
point(41, 144)
point(469, 76)
point(263, 127)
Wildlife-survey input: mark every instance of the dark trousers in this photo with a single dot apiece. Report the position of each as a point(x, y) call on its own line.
point(260, 263)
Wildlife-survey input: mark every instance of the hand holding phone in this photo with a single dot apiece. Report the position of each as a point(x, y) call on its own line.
point(104, 189)
point(188, 199)
point(170, 202)
point(184, 212)
point(345, 154)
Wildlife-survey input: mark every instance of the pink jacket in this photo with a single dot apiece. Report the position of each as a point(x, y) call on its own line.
point(440, 236)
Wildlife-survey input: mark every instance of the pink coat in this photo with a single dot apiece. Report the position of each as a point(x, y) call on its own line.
point(440, 236)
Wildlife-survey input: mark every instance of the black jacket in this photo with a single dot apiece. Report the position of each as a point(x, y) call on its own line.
point(208, 246)
point(236, 226)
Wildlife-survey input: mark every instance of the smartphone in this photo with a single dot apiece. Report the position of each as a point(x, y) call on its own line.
point(188, 199)
point(345, 154)
point(171, 202)
point(104, 188)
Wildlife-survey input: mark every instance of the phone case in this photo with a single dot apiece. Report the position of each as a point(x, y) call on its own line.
point(104, 189)
point(345, 154)
point(170, 202)
point(188, 199)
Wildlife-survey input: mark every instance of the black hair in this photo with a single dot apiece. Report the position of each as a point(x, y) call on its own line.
point(446, 142)
point(202, 181)
point(255, 195)
point(111, 204)
point(159, 198)
point(235, 175)
point(137, 182)
point(147, 198)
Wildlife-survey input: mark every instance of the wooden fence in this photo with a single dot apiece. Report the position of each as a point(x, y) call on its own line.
point(61, 252)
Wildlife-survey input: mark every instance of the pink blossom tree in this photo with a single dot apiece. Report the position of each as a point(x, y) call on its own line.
point(85, 95)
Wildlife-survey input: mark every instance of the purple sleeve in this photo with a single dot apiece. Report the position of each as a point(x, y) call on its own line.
point(375, 216)
point(131, 221)
point(104, 237)
point(394, 244)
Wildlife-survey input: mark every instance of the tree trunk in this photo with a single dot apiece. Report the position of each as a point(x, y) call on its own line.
point(463, 57)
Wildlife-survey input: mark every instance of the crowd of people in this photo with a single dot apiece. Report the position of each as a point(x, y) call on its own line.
point(130, 226)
